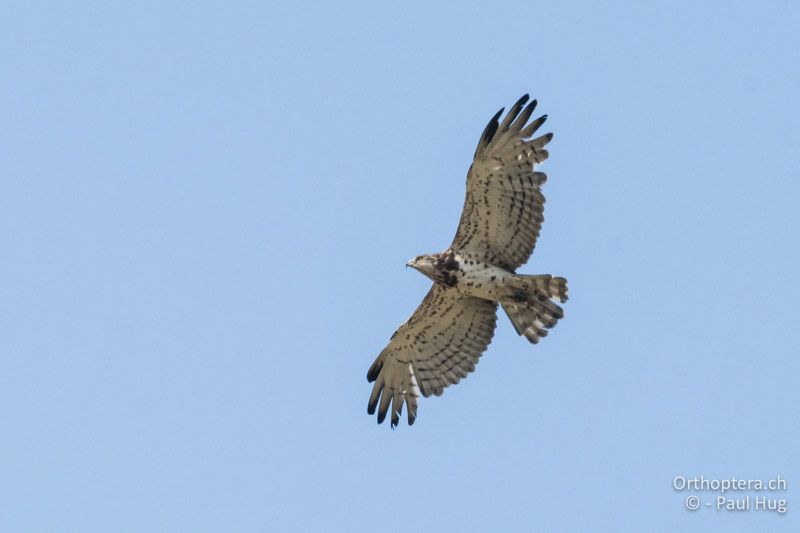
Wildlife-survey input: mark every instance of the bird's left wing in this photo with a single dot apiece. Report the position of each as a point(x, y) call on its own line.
point(504, 206)
point(436, 347)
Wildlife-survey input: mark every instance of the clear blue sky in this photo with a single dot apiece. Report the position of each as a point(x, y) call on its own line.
point(205, 213)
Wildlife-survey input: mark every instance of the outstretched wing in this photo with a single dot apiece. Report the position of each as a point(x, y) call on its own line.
point(435, 348)
point(504, 206)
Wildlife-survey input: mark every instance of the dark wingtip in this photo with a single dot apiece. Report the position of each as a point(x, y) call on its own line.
point(374, 370)
point(371, 405)
point(513, 113)
point(489, 131)
point(396, 414)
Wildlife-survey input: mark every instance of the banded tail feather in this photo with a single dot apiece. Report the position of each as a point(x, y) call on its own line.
point(531, 308)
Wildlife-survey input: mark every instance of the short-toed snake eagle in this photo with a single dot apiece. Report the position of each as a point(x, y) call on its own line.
point(503, 212)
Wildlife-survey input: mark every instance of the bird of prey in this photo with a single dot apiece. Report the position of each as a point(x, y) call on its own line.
point(444, 338)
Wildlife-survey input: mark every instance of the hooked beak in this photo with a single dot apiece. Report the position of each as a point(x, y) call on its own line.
point(410, 263)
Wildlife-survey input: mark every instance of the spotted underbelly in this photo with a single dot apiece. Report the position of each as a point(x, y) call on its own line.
point(483, 280)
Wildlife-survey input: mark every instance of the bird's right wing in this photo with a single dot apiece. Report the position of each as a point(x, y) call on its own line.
point(436, 347)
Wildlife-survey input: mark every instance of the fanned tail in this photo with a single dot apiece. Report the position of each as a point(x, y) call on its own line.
point(531, 308)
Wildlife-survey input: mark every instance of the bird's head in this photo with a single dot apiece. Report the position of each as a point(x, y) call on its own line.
point(425, 264)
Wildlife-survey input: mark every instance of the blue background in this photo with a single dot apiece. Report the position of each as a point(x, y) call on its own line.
point(205, 212)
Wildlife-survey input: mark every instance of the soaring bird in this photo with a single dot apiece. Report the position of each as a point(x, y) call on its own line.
point(503, 212)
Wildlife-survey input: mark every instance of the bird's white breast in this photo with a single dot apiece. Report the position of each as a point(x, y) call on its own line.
point(481, 279)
